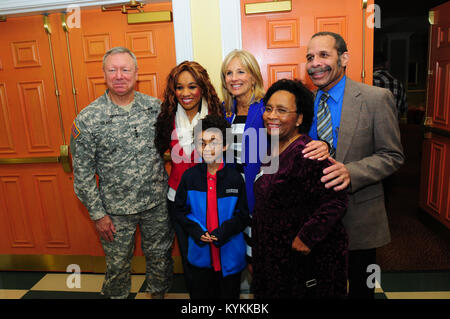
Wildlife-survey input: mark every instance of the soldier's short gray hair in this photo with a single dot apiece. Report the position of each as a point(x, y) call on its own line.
point(116, 50)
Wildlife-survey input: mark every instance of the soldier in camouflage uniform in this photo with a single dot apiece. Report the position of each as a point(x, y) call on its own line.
point(113, 138)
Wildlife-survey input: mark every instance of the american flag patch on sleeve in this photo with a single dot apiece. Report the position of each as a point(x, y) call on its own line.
point(75, 130)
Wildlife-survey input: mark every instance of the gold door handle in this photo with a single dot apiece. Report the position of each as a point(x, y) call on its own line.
point(363, 71)
point(66, 32)
point(63, 158)
point(48, 30)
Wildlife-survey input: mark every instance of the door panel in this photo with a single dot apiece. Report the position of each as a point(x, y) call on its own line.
point(16, 228)
point(435, 171)
point(6, 141)
point(33, 107)
point(441, 96)
point(39, 212)
point(279, 40)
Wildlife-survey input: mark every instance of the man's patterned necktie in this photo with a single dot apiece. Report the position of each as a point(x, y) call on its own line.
point(324, 125)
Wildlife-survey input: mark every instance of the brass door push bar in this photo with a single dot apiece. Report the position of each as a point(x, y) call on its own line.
point(63, 158)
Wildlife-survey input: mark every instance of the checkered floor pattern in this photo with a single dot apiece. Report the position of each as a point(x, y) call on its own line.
point(38, 285)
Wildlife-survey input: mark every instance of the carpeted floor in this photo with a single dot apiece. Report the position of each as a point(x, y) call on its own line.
point(418, 242)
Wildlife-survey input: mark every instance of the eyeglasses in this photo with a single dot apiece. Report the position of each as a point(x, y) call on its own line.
point(278, 111)
point(203, 144)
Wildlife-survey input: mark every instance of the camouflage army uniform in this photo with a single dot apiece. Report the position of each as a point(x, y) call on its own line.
point(118, 146)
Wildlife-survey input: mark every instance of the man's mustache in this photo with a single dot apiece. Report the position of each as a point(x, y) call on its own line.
point(319, 69)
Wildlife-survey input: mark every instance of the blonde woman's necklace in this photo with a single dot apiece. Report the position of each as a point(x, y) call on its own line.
point(245, 107)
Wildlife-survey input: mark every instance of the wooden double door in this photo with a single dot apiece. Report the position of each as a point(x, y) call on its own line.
point(48, 73)
point(435, 170)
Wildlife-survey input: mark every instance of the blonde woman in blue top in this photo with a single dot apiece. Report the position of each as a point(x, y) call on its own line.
point(243, 90)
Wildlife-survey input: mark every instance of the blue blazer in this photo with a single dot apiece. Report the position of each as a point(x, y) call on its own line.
point(254, 145)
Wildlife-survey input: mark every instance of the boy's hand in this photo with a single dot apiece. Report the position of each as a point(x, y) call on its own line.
point(207, 238)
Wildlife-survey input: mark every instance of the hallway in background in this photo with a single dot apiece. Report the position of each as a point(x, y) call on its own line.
point(418, 241)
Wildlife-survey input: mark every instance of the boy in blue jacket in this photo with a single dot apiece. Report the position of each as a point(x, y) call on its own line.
point(211, 205)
